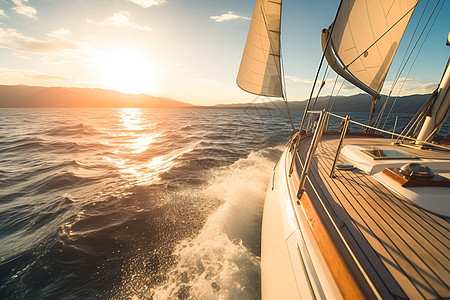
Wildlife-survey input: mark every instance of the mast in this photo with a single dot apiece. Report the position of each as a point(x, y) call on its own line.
point(440, 109)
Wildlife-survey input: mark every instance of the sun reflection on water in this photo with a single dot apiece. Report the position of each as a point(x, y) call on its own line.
point(136, 161)
point(131, 118)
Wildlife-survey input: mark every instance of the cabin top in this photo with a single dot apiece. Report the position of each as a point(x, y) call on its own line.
point(384, 161)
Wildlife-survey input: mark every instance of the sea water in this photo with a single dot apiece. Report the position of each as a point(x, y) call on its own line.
point(136, 203)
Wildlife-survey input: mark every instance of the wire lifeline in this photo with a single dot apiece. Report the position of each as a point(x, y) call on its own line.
point(401, 66)
point(417, 54)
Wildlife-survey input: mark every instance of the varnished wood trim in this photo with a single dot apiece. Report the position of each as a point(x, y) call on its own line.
point(404, 181)
point(344, 279)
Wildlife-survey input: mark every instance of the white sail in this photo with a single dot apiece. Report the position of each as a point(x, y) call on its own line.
point(366, 36)
point(260, 69)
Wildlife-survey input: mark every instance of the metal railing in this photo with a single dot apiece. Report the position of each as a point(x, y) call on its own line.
point(319, 125)
point(315, 127)
point(341, 142)
point(394, 134)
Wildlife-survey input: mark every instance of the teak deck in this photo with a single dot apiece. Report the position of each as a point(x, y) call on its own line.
point(403, 248)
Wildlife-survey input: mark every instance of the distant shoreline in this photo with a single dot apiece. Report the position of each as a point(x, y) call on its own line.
point(22, 96)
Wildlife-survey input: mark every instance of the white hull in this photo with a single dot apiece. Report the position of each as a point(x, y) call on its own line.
point(291, 264)
point(360, 240)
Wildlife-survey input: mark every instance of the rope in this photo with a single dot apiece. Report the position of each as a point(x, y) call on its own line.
point(417, 54)
point(443, 139)
point(325, 75)
point(332, 90)
point(397, 76)
point(418, 116)
point(320, 66)
point(390, 133)
point(334, 100)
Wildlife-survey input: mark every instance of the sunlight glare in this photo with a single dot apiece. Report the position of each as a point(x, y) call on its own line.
point(126, 70)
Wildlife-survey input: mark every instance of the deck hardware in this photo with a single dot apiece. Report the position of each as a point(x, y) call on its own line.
point(345, 167)
point(416, 170)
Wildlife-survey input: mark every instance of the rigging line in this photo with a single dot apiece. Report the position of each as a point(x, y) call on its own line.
point(325, 76)
point(320, 66)
point(418, 117)
point(412, 8)
point(420, 36)
point(288, 110)
point(409, 56)
point(380, 114)
point(400, 68)
point(280, 67)
point(397, 76)
point(332, 90)
point(335, 96)
point(417, 54)
point(421, 117)
point(443, 139)
point(435, 129)
point(329, 99)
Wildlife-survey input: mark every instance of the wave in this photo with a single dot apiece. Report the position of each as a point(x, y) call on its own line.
point(23, 144)
point(222, 261)
point(80, 129)
point(36, 145)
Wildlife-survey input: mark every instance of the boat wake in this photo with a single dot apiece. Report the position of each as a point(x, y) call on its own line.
point(222, 261)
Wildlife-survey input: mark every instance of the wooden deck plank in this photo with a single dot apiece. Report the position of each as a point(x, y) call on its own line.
point(411, 242)
point(366, 254)
point(382, 243)
point(437, 251)
point(338, 190)
point(422, 267)
point(428, 221)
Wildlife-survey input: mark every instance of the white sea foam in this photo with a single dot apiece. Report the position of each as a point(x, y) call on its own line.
point(217, 264)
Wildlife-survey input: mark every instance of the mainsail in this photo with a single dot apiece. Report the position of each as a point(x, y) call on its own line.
point(364, 40)
point(260, 69)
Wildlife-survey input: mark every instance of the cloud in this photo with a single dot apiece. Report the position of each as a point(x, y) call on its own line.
point(147, 3)
point(15, 76)
point(53, 48)
point(12, 39)
point(43, 76)
point(2, 13)
point(23, 9)
point(60, 32)
point(298, 80)
point(347, 86)
point(409, 86)
point(228, 17)
point(121, 20)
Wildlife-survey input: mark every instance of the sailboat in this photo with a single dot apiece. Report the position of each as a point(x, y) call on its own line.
point(353, 214)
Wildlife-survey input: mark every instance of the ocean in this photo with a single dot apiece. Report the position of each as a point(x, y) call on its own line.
point(136, 203)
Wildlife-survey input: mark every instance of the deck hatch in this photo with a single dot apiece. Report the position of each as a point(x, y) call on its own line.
point(376, 153)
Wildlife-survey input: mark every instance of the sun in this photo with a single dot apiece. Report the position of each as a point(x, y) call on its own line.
point(126, 70)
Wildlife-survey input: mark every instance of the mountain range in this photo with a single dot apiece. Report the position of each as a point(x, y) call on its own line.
point(354, 103)
point(37, 96)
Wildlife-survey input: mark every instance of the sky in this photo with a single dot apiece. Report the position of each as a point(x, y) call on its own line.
point(188, 50)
